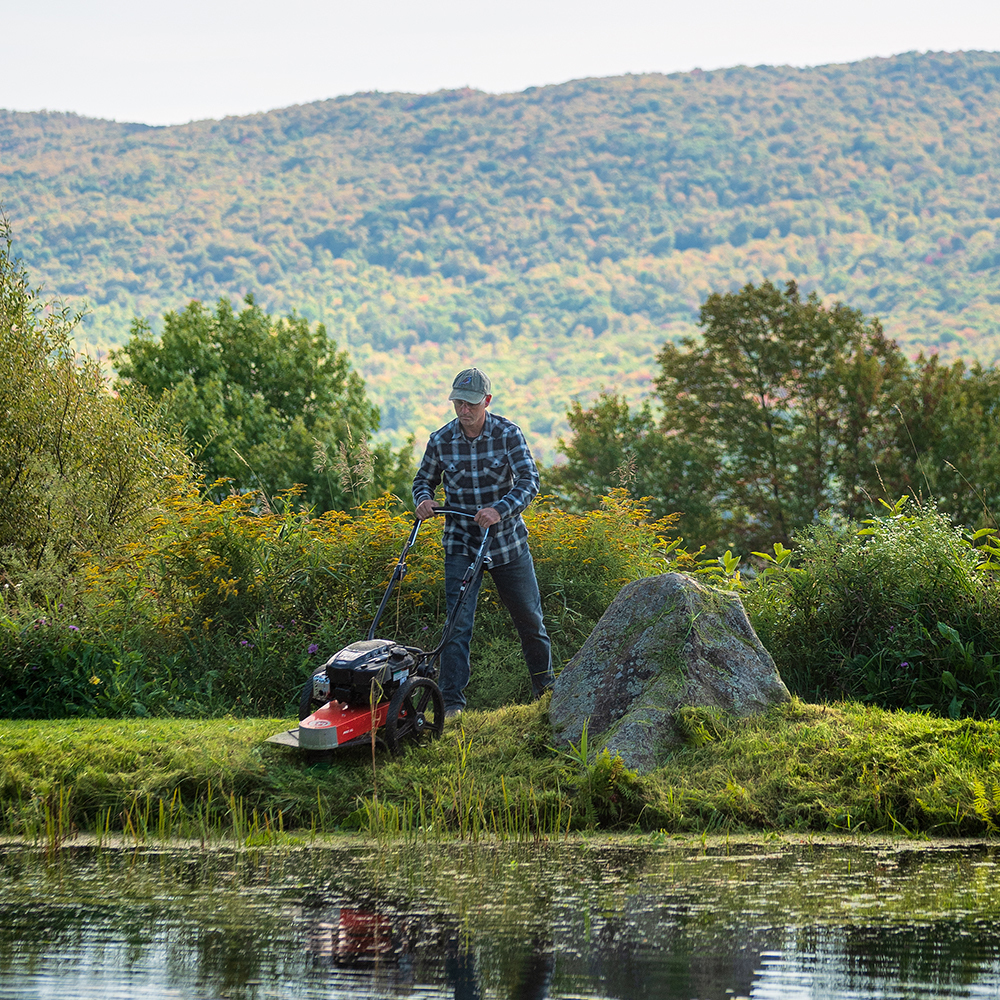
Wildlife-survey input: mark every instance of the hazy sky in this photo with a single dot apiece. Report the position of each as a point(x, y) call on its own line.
point(164, 63)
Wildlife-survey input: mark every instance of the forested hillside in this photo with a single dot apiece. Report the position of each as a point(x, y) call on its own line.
point(557, 237)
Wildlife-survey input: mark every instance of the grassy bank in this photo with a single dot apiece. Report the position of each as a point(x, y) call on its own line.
point(840, 768)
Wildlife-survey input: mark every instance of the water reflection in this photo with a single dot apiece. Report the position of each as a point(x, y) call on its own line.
point(629, 920)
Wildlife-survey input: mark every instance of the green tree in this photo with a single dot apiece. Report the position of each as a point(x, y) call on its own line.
point(81, 470)
point(785, 409)
point(614, 446)
point(265, 402)
point(946, 438)
point(794, 400)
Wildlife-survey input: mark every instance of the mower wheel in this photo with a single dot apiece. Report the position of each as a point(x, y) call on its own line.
point(307, 703)
point(415, 711)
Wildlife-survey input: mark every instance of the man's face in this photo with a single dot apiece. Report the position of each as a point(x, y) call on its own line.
point(471, 416)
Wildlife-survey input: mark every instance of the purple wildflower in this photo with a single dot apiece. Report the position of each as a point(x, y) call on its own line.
point(74, 628)
point(313, 648)
point(243, 642)
point(904, 664)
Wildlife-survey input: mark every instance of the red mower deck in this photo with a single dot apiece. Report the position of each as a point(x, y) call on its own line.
point(332, 726)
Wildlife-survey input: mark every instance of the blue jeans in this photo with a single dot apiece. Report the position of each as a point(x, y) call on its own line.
point(518, 589)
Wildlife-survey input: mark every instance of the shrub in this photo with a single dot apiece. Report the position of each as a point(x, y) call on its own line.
point(228, 606)
point(81, 469)
point(901, 610)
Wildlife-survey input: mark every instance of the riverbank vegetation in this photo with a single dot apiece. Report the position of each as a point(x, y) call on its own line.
point(901, 611)
point(801, 768)
point(225, 609)
point(135, 591)
point(228, 606)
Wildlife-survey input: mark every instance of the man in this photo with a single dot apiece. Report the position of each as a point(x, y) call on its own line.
point(486, 467)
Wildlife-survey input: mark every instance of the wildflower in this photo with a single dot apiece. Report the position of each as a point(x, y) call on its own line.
point(313, 648)
point(94, 679)
point(74, 628)
point(243, 642)
point(904, 664)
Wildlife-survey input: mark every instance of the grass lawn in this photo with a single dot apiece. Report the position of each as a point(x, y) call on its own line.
point(842, 768)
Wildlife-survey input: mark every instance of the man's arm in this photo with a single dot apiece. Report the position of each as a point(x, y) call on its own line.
point(525, 473)
point(425, 482)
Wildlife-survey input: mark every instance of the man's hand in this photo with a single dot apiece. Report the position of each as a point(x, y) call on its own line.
point(486, 517)
point(426, 509)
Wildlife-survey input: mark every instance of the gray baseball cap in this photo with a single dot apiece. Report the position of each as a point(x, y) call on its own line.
point(470, 385)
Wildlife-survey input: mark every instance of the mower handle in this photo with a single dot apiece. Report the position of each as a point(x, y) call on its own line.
point(400, 568)
point(475, 568)
point(449, 510)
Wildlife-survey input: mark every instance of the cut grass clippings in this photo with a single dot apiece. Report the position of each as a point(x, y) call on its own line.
point(841, 768)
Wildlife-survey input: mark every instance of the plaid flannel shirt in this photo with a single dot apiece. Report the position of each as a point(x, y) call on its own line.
point(493, 470)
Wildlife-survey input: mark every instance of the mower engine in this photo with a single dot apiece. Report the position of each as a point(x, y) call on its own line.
point(350, 675)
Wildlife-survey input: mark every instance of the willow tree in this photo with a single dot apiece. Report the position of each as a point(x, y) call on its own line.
point(82, 470)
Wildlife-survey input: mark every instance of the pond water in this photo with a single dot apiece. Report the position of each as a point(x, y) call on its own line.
point(629, 919)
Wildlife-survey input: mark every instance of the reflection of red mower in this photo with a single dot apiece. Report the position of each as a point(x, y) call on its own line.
point(377, 683)
point(357, 938)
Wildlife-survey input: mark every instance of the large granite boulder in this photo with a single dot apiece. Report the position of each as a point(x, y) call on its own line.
point(665, 641)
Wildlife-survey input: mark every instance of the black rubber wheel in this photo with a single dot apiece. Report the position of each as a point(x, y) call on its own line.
point(307, 703)
point(416, 712)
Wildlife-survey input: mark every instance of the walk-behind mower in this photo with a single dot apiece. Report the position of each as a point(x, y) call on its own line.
point(378, 684)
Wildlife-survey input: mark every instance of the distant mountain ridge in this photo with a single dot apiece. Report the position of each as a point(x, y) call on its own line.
point(558, 236)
